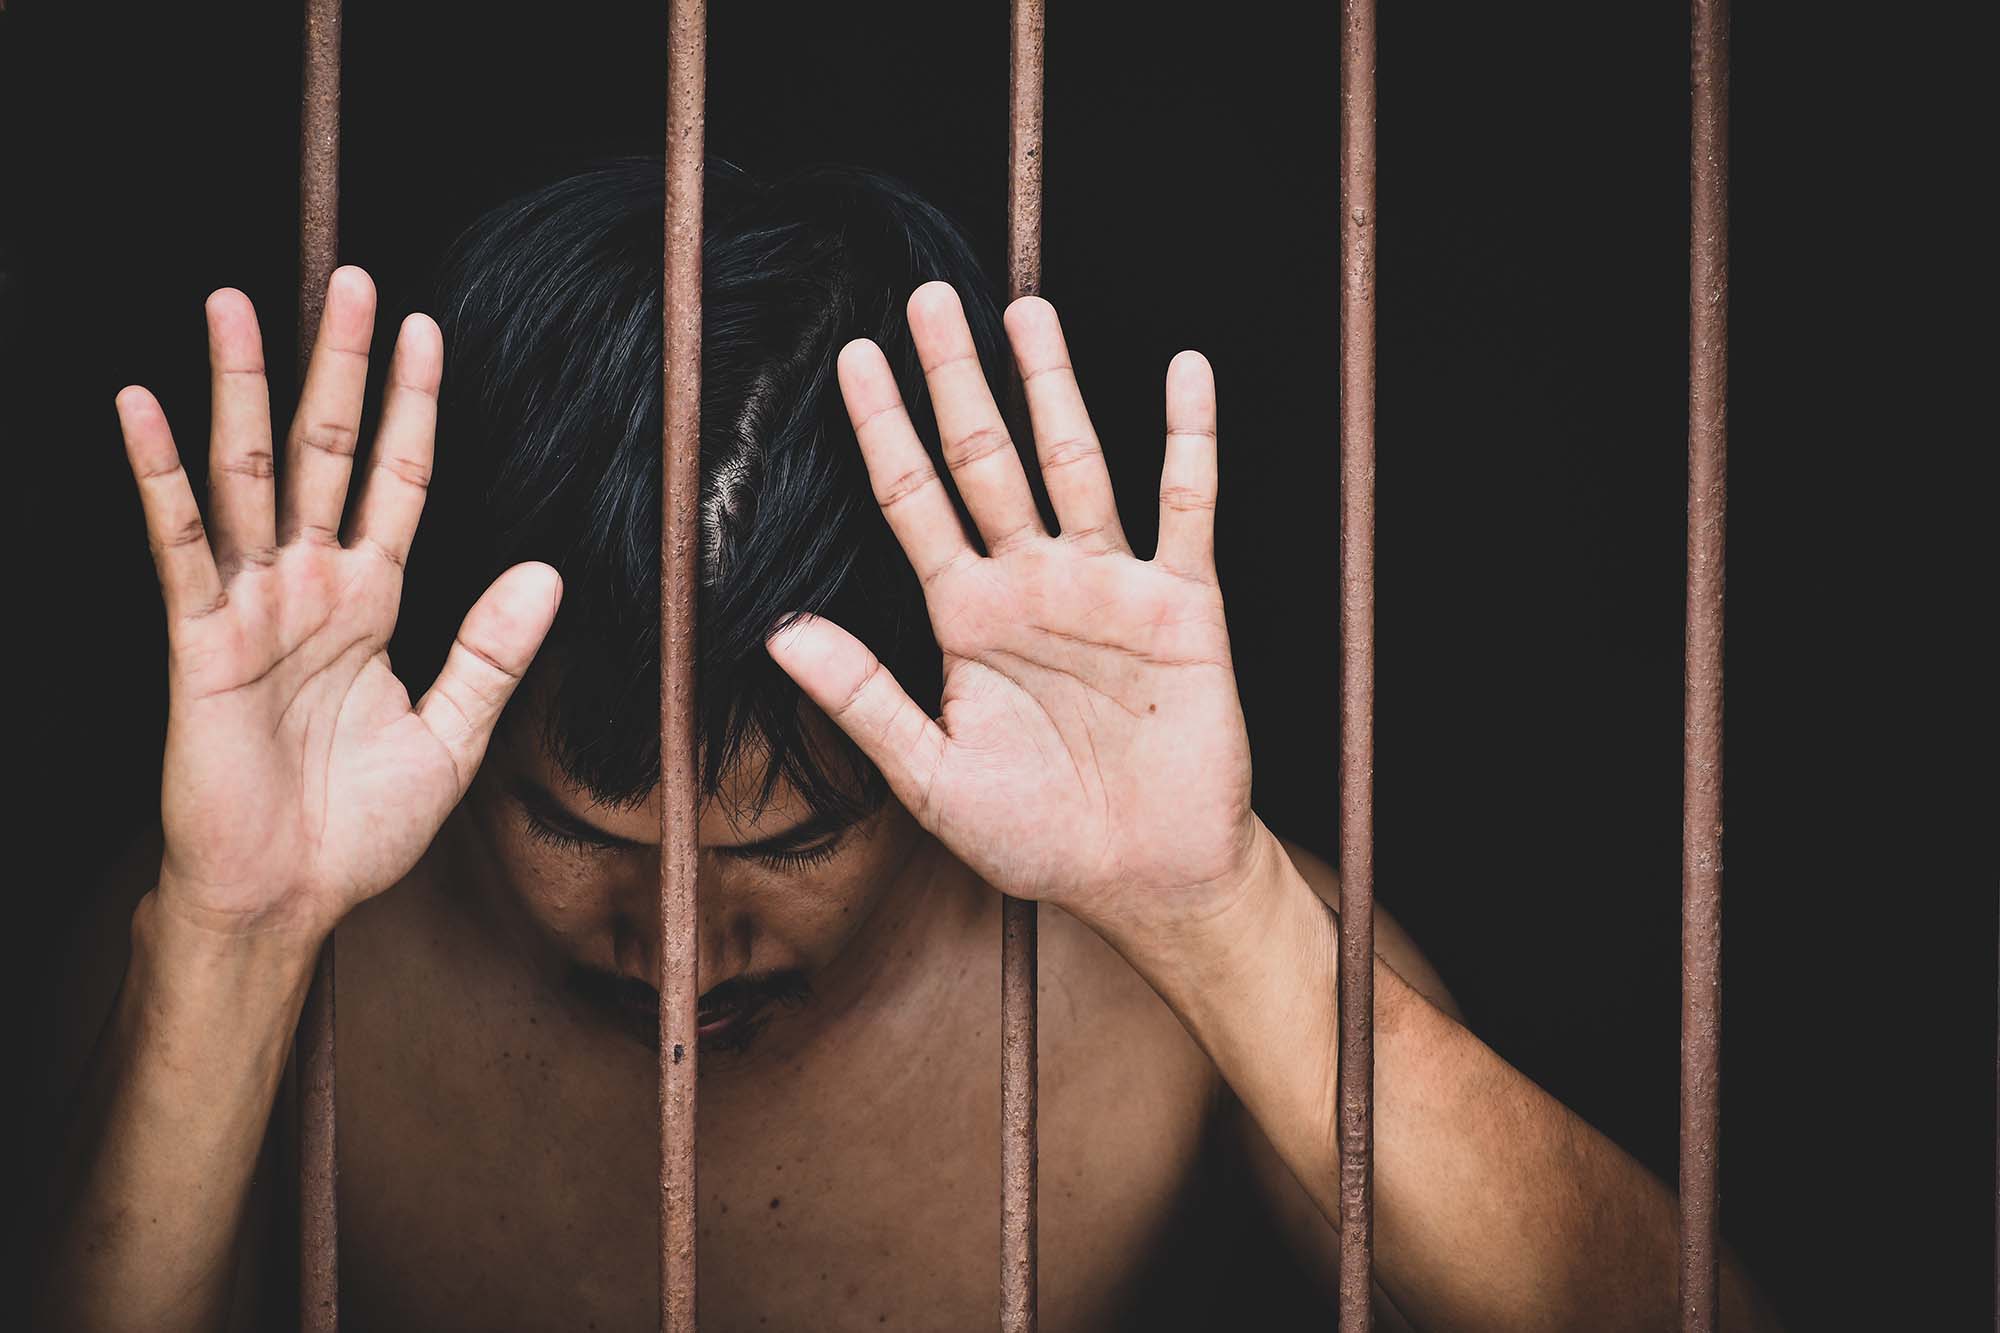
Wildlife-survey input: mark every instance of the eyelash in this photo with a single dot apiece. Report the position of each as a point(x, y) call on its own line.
point(808, 856)
point(542, 831)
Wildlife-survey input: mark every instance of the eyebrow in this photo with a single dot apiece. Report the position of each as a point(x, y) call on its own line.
point(543, 805)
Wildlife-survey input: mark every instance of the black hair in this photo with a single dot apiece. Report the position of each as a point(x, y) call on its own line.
point(550, 420)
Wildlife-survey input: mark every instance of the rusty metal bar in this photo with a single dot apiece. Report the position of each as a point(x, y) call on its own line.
point(1018, 927)
point(319, 239)
point(1357, 662)
point(679, 949)
point(1701, 800)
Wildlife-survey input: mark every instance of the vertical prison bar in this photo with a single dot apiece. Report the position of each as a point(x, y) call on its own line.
point(679, 953)
point(1018, 938)
point(1357, 661)
point(1701, 799)
point(319, 238)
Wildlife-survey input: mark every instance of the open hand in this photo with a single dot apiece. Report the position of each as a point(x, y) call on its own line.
point(1092, 749)
point(298, 779)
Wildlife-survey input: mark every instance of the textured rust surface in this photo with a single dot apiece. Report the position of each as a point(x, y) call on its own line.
point(1018, 1266)
point(319, 232)
point(687, 41)
point(1024, 150)
point(319, 1248)
point(1357, 661)
point(1018, 939)
point(1701, 810)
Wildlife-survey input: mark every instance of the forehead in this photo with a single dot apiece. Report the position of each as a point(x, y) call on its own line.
point(732, 815)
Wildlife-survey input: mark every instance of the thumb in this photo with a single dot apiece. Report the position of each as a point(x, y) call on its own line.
point(851, 686)
point(499, 638)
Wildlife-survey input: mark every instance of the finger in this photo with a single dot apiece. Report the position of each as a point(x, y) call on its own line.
point(908, 488)
point(399, 469)
point(977, 448)
point(838, 672)
point(319, 450)
point(242, 499)
point(189, 582)
point(1073, 467)
point(1188, 478)
point(499, 638)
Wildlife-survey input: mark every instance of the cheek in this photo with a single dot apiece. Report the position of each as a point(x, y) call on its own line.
point(571, 896)
point(819, 905)
point(820, 911)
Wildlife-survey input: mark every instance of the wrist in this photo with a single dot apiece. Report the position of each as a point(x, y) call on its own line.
point(288, 921)
point(1267, 921)
point(199, 946)
point(213, 1010)
point(1256, 983)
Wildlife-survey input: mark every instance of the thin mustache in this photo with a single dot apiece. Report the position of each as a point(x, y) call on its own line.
point(788, 987)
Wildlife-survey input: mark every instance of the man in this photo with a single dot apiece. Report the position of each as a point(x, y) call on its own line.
point(490, 851)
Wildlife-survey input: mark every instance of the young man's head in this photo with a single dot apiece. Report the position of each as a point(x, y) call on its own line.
point(549, 444)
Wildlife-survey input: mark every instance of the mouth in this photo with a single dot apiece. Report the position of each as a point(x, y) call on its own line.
point(714, 1022)
point(728, 1016)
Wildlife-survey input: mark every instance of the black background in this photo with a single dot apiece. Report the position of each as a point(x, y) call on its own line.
point(1532, 478)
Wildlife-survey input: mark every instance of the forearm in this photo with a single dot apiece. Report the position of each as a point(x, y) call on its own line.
point(152, 1179)
point(1498, 1207)
point(1495, 1206)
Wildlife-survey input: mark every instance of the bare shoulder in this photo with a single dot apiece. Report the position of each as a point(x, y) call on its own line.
point(1393, 944)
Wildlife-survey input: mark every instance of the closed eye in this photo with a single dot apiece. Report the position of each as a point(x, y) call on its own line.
point(555, 835)
point(804, 856)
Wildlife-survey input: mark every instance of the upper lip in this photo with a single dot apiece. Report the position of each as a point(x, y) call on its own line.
point(644, 999)
point(707, 1021)
point(728, 1006)
point(711, 1015)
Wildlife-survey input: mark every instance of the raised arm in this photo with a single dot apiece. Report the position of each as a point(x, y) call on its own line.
point(1092, 754)
point(1585, 1237)
point(298, 782)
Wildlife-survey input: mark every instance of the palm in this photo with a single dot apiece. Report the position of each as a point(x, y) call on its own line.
point(1091, 745)
point(298, 777)
point(303, 759)
point(1079, 691)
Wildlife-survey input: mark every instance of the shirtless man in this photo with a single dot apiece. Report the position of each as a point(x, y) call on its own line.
point(1082, 745)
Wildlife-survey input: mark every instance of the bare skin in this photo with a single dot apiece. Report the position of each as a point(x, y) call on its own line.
point(497, 1141)
point(500, 1145)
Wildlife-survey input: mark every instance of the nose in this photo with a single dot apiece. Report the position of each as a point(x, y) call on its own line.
point(724, 930)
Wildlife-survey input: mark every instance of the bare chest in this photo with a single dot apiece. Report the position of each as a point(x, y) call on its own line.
point(498, 1157)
